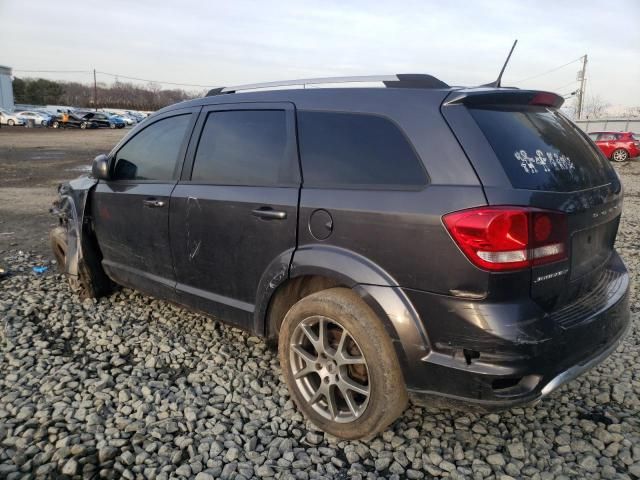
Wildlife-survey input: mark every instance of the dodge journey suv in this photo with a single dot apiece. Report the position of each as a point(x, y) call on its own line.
point(405, 241)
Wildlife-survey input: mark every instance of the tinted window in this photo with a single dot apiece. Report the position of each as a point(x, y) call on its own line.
point(342, 149)
point(541, 150)
point(245, 147)
point(153, 153)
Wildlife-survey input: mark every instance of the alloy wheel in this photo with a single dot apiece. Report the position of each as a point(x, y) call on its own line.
point(329, 369)
point(620, 155)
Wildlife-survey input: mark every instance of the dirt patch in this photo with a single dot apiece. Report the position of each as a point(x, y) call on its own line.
point(32, 164)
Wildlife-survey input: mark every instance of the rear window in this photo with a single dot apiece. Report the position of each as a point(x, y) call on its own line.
point(541, 150)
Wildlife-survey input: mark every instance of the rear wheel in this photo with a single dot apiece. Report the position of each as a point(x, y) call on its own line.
point(340, 365)
point(112, 125)
point(10, 122)
point(620, 155)
point(56, 124)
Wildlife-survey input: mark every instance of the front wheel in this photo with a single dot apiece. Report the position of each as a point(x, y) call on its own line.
point(112, 125)
point(11, 123)
point(56, 124)
point(340, 365)
point(83, 125)
point(620, 155)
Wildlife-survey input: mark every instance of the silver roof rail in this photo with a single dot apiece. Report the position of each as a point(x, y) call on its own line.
point(313, 81)
point(397, 80)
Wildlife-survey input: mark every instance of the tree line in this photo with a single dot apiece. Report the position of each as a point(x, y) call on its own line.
point(40, 91)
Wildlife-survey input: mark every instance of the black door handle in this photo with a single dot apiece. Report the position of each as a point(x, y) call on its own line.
point(269, 213)
point(153, 203)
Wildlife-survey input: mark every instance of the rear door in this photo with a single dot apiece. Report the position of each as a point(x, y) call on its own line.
point(131, 210)
point(234, 212)
point(607, 143)
point(527, 153)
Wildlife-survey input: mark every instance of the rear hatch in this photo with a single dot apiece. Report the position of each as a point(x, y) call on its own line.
point(527, 153)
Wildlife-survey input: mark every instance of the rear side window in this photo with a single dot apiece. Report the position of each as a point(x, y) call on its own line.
point(607, 137)
point(153, 153)
point(347, 149)
point(245, 147)
point(541, 150)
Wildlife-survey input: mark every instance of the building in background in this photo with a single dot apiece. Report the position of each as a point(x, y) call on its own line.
point(6, 89)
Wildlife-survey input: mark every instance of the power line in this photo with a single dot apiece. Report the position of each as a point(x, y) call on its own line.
point(550, 71)
point(155, 81)
point(565, 85)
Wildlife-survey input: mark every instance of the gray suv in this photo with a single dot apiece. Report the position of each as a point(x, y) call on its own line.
point(415, 241)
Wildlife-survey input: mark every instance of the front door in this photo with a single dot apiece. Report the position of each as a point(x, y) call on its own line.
point(131, 210)
point(234, 213)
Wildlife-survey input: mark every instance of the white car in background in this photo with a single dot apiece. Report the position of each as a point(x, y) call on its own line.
point(37, 117)
point(10, 119)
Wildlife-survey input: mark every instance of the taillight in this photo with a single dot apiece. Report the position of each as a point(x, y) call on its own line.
point(509, 238)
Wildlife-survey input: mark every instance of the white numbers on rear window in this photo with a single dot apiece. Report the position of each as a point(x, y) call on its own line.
point(543, 162)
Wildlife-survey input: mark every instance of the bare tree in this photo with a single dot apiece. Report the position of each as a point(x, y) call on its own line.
point(632, 112)
point(595, 107)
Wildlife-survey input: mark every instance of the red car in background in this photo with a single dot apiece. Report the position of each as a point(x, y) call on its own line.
point(617, 146)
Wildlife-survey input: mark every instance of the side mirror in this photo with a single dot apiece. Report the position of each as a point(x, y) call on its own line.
point(100, 168)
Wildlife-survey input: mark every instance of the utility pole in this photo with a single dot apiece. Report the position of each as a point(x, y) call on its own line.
point(583, 78)
point(95, 91)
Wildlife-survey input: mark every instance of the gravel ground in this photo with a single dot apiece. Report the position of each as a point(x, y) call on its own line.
point(132, 387)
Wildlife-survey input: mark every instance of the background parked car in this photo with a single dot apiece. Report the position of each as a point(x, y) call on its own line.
point(617, 146)
point(38, 117)
point(125, 118)
point(102, 119)
point(72, 120)
point(10, 119)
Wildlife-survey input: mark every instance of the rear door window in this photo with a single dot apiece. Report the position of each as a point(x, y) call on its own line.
point(540, 149)
point(245, 147)
point(351, 150)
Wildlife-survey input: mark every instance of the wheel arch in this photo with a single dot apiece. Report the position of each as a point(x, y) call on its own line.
point(318, 267)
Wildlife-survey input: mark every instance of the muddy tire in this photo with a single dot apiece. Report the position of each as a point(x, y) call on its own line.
point(91, 281)
point(340, 365)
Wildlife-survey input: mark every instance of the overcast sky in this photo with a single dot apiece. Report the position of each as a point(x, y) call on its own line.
point(224, 43)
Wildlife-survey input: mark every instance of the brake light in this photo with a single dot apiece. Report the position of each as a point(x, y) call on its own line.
point(509, 238)
point(546, 99)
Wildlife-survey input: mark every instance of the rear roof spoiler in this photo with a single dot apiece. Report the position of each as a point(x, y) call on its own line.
point(504, 96)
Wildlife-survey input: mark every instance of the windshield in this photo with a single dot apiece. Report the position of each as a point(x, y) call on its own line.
point(540, 149)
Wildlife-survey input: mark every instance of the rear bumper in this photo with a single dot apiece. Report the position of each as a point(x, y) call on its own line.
point(499, 355)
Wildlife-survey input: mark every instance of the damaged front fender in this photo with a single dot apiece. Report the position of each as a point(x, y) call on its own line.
point(70, 208)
